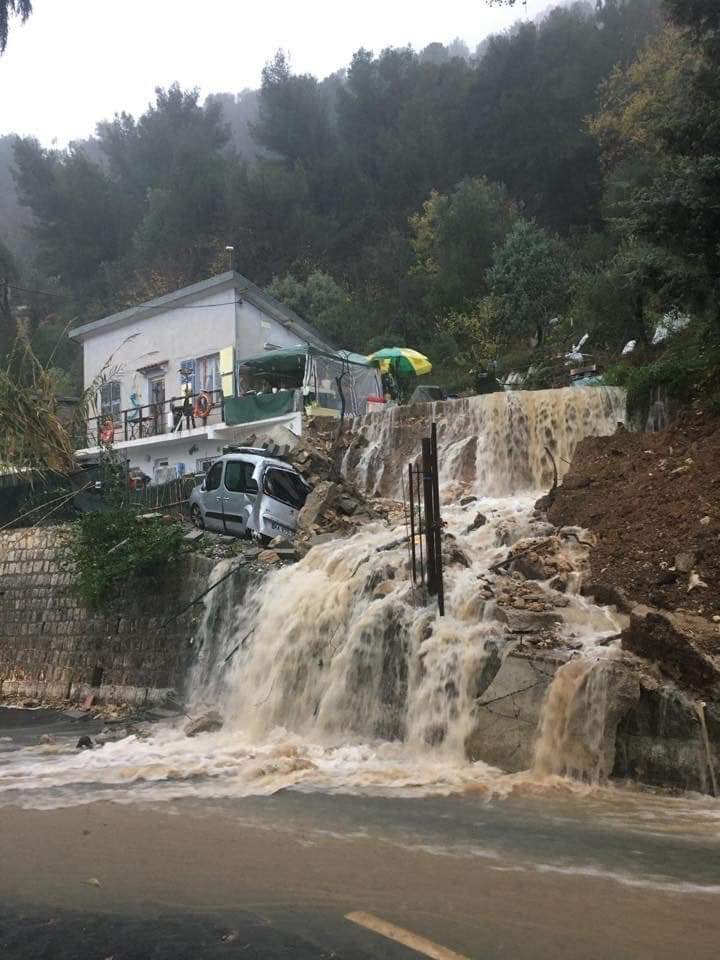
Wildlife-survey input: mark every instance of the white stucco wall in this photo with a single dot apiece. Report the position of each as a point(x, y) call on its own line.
point(204, 326)
point(253, 329)
point(167, 338)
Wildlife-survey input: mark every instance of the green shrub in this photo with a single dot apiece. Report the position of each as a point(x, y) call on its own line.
point(681, 378)
point(105, 548)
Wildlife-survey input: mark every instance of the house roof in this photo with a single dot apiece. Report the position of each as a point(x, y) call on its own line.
point(245, 289)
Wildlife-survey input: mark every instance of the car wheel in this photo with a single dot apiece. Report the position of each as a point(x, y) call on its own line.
point(197, 517)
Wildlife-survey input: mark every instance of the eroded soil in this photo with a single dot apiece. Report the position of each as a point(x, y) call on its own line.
point(653, 502)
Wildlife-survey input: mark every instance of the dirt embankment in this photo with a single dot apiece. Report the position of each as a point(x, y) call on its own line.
point(653, 502)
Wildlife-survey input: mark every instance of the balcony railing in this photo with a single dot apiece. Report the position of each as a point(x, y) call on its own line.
point(173, 416)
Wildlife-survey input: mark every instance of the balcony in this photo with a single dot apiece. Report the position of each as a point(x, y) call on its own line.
point(168, 419)
point(207, 415)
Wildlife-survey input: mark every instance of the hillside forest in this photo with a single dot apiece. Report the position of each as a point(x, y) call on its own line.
point(488, 208)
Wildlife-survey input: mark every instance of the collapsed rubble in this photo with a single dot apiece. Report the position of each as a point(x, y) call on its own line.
point(334, 507)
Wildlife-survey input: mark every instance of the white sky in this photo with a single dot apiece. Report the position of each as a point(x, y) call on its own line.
point(79, 61)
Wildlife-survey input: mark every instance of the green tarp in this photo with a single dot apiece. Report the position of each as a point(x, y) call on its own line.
point(292, 359)
point(288, 360)
point(258, 406)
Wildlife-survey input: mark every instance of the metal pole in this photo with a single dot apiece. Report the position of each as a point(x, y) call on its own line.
point(412, 524)
point(429, 516)
point(438, 522)
point(420, 526)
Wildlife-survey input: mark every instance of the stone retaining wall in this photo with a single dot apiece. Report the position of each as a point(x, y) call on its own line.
point(52, 647)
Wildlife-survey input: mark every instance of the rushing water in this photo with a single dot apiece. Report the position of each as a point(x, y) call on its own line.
point(335, 674)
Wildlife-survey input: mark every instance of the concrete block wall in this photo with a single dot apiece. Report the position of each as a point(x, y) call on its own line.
point(52, 647)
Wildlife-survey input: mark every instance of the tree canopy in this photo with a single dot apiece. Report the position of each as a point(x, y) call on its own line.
point(568, 167)
point(8, 8)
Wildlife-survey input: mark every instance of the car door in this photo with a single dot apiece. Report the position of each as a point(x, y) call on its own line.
point(284, 494)
point(234, 500)
point(212, 497)
point(236, 495)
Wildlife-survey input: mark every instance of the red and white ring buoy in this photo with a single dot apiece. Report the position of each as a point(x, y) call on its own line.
point(203, 405)
point(107, 433)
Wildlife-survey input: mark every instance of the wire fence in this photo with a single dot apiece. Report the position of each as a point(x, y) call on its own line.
point(33, 499)
point(169, 497)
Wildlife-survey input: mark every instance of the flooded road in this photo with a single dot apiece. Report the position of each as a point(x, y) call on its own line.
point(338, 812)
point(530, 877)
point(504, 866)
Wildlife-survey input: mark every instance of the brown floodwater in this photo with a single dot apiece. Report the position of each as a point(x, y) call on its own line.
point(509, 879)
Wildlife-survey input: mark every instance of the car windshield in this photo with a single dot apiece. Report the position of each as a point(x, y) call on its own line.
point(285, 486)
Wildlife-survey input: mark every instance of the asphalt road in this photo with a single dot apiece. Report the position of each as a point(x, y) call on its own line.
point(28, 933)
point(542, 874)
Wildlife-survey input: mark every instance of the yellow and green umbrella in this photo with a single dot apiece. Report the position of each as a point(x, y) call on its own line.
point(400, 360)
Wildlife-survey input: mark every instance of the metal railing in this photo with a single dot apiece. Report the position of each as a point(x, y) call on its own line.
point(173, 416)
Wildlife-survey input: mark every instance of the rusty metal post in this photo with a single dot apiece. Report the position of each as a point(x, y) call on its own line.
point(420, 526)
point(437, 525)
point(428, 499)
point(412, 523)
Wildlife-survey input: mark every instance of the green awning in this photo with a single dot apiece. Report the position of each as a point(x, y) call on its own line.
point(357, 359)
point(289, 360)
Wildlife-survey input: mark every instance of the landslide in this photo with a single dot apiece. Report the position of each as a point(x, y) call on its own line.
point(652, 500)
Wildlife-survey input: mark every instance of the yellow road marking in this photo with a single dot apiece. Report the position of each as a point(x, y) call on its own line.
point(405, 937)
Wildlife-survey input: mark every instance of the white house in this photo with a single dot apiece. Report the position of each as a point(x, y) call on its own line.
point(171, 366)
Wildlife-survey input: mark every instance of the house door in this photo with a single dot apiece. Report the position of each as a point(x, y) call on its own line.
point(157, 404)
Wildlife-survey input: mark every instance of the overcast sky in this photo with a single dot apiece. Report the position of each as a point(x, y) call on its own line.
point(79, 61)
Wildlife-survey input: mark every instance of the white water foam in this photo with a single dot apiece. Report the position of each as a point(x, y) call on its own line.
point(338, 685)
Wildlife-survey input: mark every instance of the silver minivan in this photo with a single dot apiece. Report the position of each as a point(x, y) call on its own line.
point(248, 492)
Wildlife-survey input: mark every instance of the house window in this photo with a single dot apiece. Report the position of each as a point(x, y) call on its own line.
point(207, 373)
point(162, 470)
point(203, 464)
point(200, 374)
point(187, 376)
point(110, 401)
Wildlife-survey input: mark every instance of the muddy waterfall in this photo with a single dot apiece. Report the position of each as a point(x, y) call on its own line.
point(343, 648)
point(336, 673)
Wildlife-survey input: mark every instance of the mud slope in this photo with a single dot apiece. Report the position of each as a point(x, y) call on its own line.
point(653, 502)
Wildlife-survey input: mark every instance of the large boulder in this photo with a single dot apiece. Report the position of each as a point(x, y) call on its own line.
point(508, 693)
point(661, 741)
point(208, 723)
point(540, 559)
point(528, 621)
point(607, 595)
point(685, 647)
point(320, 499)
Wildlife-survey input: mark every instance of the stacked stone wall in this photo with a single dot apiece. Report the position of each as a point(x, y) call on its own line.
point(53, 647)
